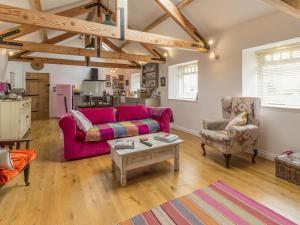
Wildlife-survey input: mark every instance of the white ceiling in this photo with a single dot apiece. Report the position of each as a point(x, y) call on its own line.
point(208, 16)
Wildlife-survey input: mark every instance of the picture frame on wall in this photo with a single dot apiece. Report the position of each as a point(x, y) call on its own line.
point(108, 77)
point(127, 82)
point(107, 84)
point(163, 81)
point(121, 77)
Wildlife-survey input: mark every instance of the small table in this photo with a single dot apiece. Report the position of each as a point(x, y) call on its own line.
point(142, 155)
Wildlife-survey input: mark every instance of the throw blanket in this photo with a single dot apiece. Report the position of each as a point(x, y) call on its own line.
point(20, 159)
point(157, 112)
point(110, 131)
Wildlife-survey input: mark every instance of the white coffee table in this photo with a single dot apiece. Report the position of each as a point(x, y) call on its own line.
point(142, 155)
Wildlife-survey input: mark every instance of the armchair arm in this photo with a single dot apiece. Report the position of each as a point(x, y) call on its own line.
point(246, 135)
point(15, 142)
point(215, 124)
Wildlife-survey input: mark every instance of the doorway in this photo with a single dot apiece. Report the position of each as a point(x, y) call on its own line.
point(37, 88)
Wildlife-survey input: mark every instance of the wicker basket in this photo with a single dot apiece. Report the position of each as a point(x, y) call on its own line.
point(288, 168)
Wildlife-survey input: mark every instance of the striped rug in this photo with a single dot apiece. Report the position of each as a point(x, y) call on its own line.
point(215, 204)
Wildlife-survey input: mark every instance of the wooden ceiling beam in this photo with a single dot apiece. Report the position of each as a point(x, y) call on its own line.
point(54, 40)
point(50, 21)
point(291, 7)
point(27, 29)
point(72, 62)
point(159, 20)
point(181, 20)
point(38, 6)
point(58, 49)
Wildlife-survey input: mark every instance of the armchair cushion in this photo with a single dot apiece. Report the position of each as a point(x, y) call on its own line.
point(215, 124)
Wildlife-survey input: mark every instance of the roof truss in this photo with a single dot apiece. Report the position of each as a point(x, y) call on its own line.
point(291, 7)
point(36, 20)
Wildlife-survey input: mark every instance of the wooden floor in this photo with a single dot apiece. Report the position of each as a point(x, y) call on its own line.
point(84, 192)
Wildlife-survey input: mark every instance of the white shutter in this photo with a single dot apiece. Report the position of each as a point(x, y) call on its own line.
point(279, 77)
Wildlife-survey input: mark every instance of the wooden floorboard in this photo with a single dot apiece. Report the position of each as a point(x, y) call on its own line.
point(84, 192)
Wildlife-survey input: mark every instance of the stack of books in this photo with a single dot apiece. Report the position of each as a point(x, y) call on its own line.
point(166, 137)
point(124, 144)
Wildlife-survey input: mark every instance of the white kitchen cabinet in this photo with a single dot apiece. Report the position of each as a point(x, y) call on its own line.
point(15, 118)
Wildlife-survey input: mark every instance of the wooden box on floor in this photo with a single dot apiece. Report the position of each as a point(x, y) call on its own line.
point(288, 168)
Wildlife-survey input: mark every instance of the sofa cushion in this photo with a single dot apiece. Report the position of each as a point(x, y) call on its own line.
point(132, 112)
point(99, 115)
point(110, 131)
point(20, 159)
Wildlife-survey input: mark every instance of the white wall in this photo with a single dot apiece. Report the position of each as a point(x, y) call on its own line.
point(280, 127)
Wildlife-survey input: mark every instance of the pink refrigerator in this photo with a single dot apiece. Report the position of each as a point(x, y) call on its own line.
point(62, 99)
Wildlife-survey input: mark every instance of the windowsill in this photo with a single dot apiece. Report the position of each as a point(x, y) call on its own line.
point(181, 99)
point(281, 107)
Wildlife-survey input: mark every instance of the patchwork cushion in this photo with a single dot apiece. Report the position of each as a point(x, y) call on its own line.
point(110, 131)
point(20, 159)
point(132, 112)
point(99, 115)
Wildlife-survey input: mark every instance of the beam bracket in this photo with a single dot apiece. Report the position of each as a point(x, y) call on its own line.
point(10, 43)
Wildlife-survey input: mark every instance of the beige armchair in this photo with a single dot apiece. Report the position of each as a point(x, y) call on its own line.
point(236, 138)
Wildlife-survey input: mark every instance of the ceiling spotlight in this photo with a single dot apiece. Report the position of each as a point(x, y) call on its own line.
point(210, 42)
point(165, 54)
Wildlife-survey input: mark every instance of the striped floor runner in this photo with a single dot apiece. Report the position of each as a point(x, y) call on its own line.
point(215, 204)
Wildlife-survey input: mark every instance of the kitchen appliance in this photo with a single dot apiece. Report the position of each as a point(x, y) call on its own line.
point(62, 99)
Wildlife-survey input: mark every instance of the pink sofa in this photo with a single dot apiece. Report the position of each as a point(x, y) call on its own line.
point(111, 123)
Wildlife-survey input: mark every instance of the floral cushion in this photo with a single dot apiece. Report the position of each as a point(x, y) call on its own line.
point(239, 120)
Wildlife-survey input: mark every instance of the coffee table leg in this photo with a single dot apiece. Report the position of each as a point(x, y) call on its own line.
point(176, 158)
point(113, 166)
point(123, 178)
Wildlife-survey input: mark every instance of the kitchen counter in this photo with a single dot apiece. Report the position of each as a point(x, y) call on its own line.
point(131, 100)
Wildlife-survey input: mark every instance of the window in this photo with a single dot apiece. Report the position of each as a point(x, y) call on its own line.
point(183, 81)
point(135, 82)
point(279, 77)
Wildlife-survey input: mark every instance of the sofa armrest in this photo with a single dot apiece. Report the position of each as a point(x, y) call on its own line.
point(68, 126)
point(215, 124)
point(163, 115)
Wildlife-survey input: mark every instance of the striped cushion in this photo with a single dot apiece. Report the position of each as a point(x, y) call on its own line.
point(110, 131)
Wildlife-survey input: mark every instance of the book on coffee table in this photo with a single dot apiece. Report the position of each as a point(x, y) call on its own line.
point(166, 137)
point(124, 144)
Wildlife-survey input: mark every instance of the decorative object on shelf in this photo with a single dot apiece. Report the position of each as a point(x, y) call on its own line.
point(163, 81)
point(107, 84)
point(127, 82)
point(12, 79)
point(150, 75)
point(108, 77)
point(115, 83)
point(37, 66)
point(121, 77)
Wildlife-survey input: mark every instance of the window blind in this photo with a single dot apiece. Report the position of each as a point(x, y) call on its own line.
point(279, 77)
